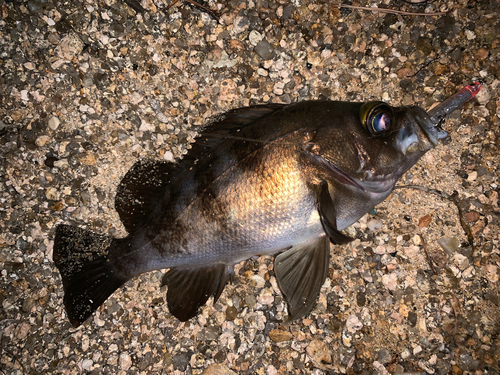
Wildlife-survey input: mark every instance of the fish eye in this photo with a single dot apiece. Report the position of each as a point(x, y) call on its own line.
point(376, 117)
point(380, 122)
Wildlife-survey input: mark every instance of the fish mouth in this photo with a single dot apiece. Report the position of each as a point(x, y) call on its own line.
point(432, 131)
point(431, 121)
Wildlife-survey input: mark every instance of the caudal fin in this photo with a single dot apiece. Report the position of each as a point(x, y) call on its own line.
point(82, 258)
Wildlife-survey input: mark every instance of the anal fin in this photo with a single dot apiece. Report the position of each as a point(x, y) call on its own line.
point(301, 271)
point(189, 289)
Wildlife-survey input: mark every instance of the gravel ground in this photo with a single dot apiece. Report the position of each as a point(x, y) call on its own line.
point(88, 87)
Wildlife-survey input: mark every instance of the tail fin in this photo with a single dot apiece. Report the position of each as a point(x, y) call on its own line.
point(83, 259)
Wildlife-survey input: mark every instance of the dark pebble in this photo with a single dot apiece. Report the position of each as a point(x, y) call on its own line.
point(361, 299)
point(264, 50)
point(180, 361)
point(231, 313)
point(412, 318)
point(384, 356)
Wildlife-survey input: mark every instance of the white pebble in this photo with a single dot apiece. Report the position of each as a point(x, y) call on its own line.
point(390, 281)
point(483, 96)
point(125, 361)
point(374, 225)
point(168, 156)
point(470, 34)
point(405, 354)
point(461, 261)
point(145, 126)
point(257, 281)
point(87, 364)
point(353, 323)
point(472, 176)
point(54, 123)
point(29, 66)
point(255, 37)
point(262, 72)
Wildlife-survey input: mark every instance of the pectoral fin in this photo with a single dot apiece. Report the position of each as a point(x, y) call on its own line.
point(189, 289)
point(301, 271)
point(328, 216)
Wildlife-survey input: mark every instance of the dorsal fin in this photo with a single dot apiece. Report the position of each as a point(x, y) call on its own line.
point(239, 117)
point(145, 184)
point(228, 126)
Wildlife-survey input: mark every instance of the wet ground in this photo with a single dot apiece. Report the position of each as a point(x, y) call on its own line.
point(88, 87)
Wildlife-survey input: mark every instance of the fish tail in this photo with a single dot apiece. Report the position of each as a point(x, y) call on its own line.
point(87, 272)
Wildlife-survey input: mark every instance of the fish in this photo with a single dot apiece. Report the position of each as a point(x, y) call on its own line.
point(271, 179)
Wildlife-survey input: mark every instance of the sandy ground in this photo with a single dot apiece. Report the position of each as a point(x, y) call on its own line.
point(89, 87)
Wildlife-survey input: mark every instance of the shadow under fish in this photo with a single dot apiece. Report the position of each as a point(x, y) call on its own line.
point(263, 180)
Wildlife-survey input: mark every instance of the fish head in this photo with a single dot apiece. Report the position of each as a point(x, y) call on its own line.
point(371, 145)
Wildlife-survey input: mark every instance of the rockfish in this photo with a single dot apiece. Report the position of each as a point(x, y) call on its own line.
point(273, 179)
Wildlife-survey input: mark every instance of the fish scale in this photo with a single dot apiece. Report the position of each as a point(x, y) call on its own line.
point(280, 180)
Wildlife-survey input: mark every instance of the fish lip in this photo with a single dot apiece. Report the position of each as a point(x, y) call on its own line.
point(433, 132)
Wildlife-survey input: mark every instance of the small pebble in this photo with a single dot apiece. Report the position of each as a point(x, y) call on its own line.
point(262, 72)
point(353, 323)
point(482, 54)
point(484, 95)
point(472, 216)
point(374, 225)
point(424, 221)
point(449, 244)
point(87, 364)
point(69, 46)
point(390, 281)
point(384, 356)
point(52, 194)
point(125, 361)
point(255, 37)
point(54, 123)
point(319, 352)
point(472, 176)
point(168, 155)
point(241, 24)
point(462, 262)
point(380, 368)
point(43, 140)
point(257, 281)
point(264, 50)
point(280, 335)
point(218, 369)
